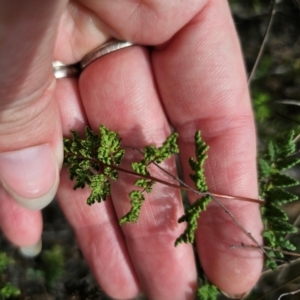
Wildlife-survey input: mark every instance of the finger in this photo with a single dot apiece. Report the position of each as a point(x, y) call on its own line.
point(21, 226)
point(84, 31)
point(30, 130)
point(100, 240)
point(126, 101)
point(88, 24)
point(96, 227)
point(201, 78)
point(145, 22)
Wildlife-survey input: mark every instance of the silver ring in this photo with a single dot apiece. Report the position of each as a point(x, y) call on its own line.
point(103, 50)
point(61, 70)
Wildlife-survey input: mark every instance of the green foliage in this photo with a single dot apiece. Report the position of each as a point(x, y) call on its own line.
point(53, 261)
point(37, 275)
point(191, 217)
point(100, 187)
point(110, 151)
point(265, 65)
point(261, 106)
point(51, 268)
point(158, 155)
point(197, 164)
point(5, 261)
point(277, 157)
point(207, 291)
point(95, 160)
point(91, 160)
point(192, 213)
point(7, 290)
point(137, 198)
point(151, 154)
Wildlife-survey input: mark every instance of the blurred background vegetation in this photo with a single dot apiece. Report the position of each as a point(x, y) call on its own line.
point(275, 90)
point(60, 271)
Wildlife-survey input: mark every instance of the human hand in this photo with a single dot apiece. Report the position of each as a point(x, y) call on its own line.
point(193, 78)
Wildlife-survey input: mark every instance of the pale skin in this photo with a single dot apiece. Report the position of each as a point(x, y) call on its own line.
point(193, 78)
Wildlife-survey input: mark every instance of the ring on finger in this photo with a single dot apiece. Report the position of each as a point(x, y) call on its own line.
point(61, 70)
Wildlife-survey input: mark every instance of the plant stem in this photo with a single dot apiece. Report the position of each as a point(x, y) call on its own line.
point(269, 248)
point(240, 225)
point(183, 185)
point(262, 47)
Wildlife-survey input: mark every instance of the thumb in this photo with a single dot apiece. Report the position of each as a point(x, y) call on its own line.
point(31, 175)
point(30, 129)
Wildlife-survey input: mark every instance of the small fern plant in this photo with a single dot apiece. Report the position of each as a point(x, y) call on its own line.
point(274, 180)
point(96, 159)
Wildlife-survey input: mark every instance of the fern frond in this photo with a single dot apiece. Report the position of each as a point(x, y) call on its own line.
point(90, 161)
point(191, 216)
point(137, 199)
point(273, 184)
point(197, 163)
point(193, 212)
point(151, 154)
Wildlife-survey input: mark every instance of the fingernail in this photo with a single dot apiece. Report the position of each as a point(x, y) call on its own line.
point(140, 296)
point(30, 175)
point(31, 251)
point(236, 296)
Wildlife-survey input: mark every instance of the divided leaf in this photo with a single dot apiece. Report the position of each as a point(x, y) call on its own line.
point(191, 216)
point(271, 150)
point(264, 168)
point(279, 196)
point(287, 163)
point(197, 163)
point(158, 155)
point(282, 180)
point(85, 167)
point(273, 183)
point(100, 187)
point(110, 151)
point(271, 210)
point(286, 144)
point(146, 184)
point(94, 161)
point(137, 199)
point(192, 213)
point(151, 154)
point(140, 168)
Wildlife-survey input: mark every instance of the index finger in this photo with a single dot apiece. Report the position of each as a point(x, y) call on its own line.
point(201, 79)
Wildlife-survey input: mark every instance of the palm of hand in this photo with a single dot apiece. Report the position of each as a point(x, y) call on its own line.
point(192, 70)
